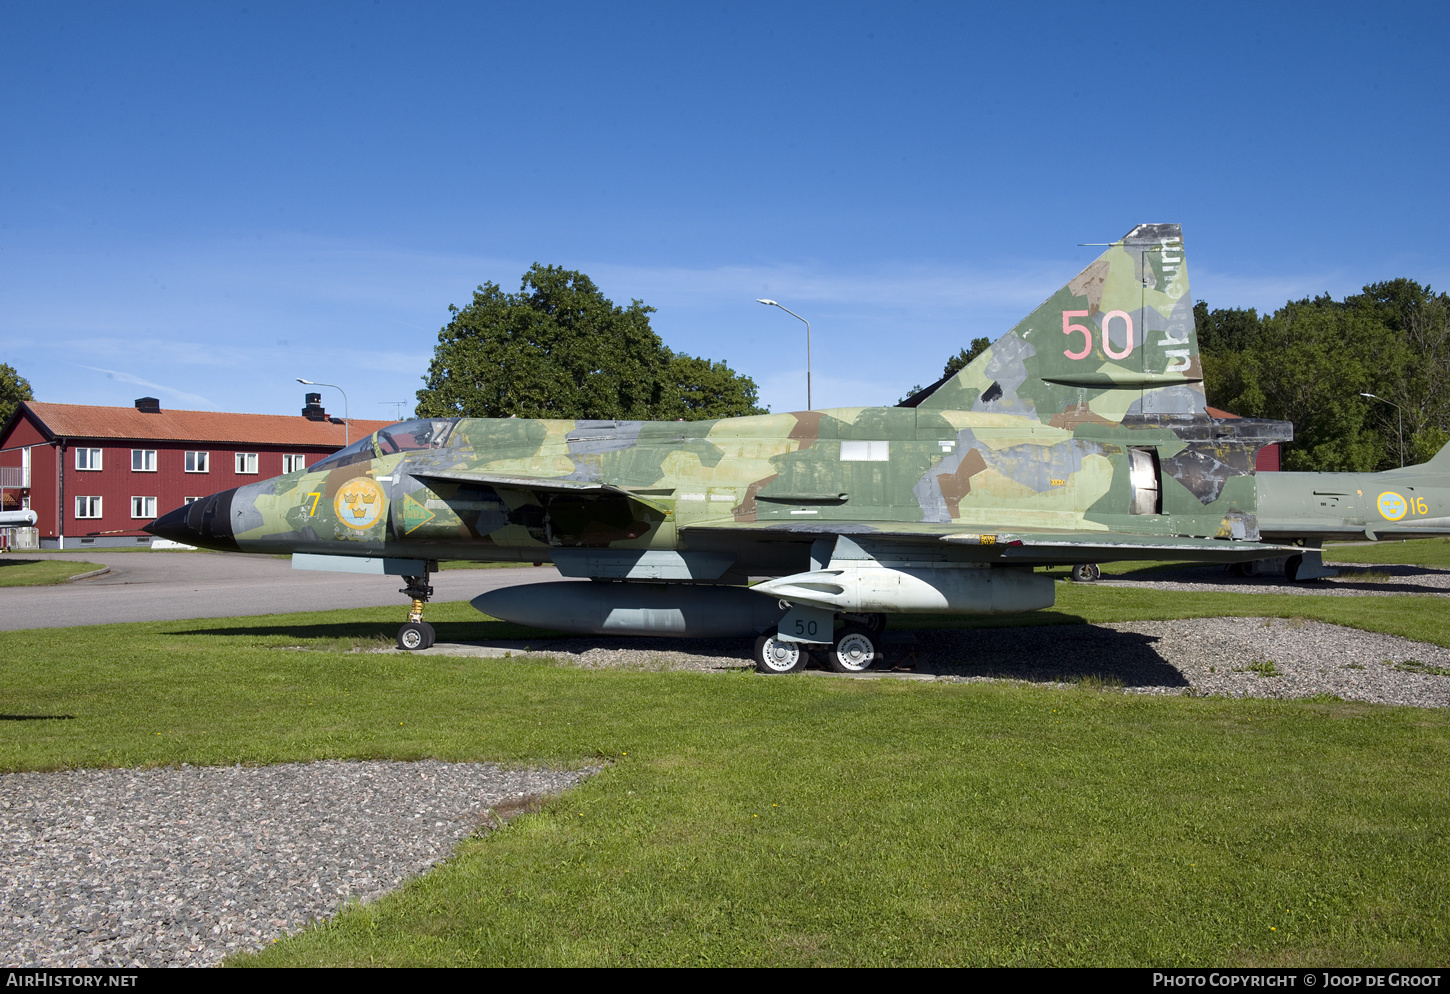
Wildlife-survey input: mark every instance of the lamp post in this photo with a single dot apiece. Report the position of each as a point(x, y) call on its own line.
point(771, 303)
point(346, 422)
point(1397, 407)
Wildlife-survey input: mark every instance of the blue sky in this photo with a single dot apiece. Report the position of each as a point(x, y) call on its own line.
point(204, 201)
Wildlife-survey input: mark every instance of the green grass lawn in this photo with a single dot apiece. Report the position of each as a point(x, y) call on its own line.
point(751, 820)
point(1417, 552)
point(20, 572)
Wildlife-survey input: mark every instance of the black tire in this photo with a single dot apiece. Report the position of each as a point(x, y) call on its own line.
point(1086, 573)
point(873, 623)
point(432, 635)
point(415, 635)
point(855, 650)
point(775, 656)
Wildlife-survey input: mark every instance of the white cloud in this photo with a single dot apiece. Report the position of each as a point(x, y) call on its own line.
point(180, 395)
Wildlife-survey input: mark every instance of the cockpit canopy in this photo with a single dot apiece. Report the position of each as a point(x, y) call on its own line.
point(405, 436)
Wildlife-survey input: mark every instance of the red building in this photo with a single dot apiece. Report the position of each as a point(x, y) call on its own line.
point(95, 475)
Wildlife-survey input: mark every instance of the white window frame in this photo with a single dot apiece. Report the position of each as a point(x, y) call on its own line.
point(863, 451)
point(293, 461)
point(91, 456)
point(197, 462)
point(147, 506)
point(90, 510)
point(148, 456)
point(245, 459)
point(190, 500)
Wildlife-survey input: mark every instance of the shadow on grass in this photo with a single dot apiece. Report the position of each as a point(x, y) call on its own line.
point(1040, 647)
point(7, 561)
point(37, 717)
point(1058, 653)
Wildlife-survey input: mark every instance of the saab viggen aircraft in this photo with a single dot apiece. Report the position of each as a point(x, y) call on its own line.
point(1080, 436)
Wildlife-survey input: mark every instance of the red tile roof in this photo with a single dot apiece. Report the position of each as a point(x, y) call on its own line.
point(82, 421)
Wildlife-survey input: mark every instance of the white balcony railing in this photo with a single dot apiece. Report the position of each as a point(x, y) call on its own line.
point(15, 477)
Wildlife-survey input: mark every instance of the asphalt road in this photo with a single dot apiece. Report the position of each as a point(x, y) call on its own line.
point(169, 586)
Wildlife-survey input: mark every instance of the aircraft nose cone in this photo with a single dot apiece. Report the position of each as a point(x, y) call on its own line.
point(206, 523)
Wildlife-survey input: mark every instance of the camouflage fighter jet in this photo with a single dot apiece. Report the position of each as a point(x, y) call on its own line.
point(1080, 436)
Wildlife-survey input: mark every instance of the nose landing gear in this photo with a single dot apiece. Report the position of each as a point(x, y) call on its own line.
point(416, 633)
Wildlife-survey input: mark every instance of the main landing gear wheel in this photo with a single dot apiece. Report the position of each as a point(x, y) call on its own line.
point(873, 623)
point(1086, 573)
point(775, 655)
point(416, 635)
point(855, 650)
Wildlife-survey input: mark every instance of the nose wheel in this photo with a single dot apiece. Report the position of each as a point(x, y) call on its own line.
point(416, 633)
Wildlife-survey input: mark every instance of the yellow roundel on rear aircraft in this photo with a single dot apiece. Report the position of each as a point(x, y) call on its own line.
point(359, 502)
point(1392, 505)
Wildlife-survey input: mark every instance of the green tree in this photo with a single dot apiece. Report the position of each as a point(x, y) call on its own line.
point(694, 388)
point(954, 365)
point(959, 361)
point(1308, 362)
point(14, 389)
point(560, 349)
point(1420, 394)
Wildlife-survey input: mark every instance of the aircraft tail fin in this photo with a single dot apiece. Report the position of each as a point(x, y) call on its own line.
point(1116, 341)
point(1440, 461)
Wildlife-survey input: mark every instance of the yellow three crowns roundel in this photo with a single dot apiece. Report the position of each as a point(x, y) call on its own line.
point(1392, 505)
point(359, 502)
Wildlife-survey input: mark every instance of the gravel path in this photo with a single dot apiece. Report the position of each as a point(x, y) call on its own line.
point(1227, 656)
point(180, 867)
point(1232, 657)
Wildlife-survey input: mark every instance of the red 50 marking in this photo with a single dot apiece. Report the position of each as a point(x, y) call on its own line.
point(1069, 327)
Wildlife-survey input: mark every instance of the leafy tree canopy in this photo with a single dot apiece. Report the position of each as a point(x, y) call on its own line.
point(560, 349)
point(1311, 360)
point(955, 364)
point(960, 361)
point(14, 389)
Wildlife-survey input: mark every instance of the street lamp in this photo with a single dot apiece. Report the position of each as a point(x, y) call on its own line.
point(771, 303)
point(1402, 422)
point(346, 423)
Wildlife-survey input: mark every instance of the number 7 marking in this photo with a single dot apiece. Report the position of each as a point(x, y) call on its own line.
point(315, 498)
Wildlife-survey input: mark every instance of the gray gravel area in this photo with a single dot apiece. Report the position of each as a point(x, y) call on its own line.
point(1232, 657)
point(1235, 657)
point(180, 867)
